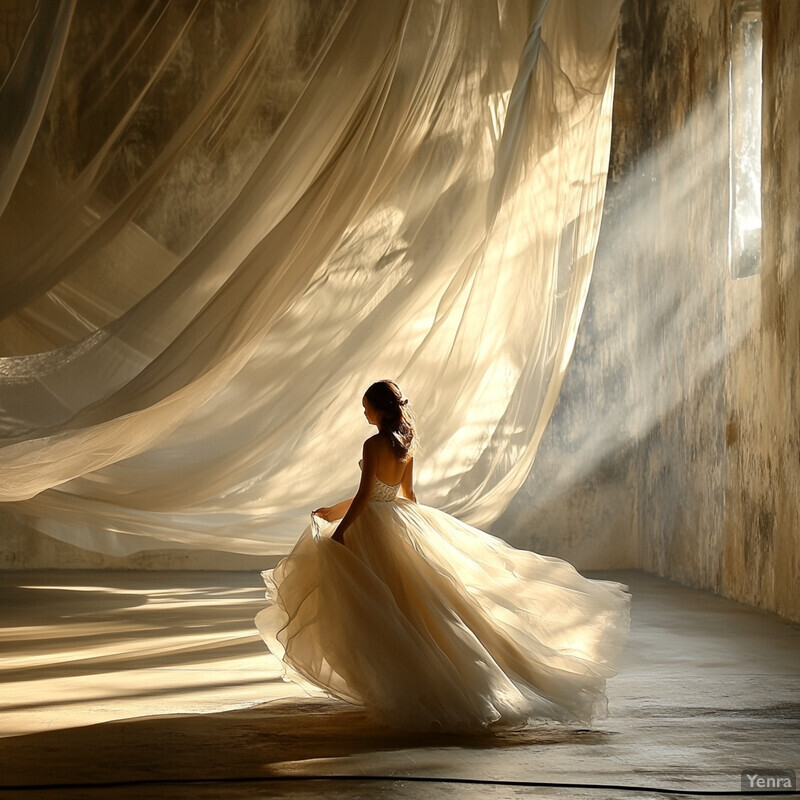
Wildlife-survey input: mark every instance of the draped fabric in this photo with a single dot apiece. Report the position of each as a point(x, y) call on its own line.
point(223, 220)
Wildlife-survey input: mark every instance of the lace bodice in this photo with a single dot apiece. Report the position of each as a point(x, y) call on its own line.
point(382, 492)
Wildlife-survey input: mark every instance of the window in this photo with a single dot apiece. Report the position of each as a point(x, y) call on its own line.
point(744, 128)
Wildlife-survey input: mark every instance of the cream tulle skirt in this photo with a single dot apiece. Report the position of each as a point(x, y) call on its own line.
point(433, 625)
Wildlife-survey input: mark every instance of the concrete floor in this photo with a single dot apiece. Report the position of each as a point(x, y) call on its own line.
point(156, 685)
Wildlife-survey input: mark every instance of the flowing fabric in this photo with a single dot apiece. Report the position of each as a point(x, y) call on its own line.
point(432, 625)
point(229, 219)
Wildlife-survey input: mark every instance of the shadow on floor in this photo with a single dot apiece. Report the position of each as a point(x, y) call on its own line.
point(280, 738)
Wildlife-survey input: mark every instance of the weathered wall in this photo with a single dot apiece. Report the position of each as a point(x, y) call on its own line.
point(760, 548)
point(676, 440)
point(719, 472)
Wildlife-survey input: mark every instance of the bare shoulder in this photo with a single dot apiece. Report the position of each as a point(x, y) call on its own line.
point(378, 449)
point(374, 445)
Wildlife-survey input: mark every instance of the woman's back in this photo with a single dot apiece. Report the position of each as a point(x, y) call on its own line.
point(389, 469)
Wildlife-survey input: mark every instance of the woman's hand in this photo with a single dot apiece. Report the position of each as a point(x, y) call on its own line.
point(332, 513)
point(329, 514)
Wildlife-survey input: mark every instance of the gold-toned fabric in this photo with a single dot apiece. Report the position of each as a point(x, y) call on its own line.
point(225, 220)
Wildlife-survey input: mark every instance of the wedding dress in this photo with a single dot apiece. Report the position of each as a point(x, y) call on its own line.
point(433, 625)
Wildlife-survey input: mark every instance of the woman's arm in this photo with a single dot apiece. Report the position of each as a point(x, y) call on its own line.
point(407, 484)
point(358, 503)
point(332, 513)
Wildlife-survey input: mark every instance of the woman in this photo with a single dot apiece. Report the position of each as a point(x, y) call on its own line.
point(429, 623)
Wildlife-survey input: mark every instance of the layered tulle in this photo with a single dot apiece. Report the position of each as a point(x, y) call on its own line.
point(431, 624)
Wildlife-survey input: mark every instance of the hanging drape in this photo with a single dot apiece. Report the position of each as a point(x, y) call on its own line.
point(223, 220)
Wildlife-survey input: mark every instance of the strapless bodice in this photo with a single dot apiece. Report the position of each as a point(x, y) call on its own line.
point(382, 492)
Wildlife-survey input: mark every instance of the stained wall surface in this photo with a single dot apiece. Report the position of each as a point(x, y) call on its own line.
point(719, 474)
point(676, 441)
point(760, 548)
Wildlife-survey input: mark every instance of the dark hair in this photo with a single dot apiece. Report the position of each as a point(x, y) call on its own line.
point(396, 417)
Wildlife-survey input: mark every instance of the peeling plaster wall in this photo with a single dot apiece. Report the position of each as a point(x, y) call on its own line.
point(719, 473)
point(760, 548)
point(675, 445)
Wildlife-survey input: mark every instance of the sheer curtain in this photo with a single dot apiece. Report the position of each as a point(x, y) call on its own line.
point(226, 219)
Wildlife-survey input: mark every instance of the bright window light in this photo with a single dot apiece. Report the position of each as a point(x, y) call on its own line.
point(744, 126)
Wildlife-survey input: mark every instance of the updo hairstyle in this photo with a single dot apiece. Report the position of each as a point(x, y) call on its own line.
point(396, 417)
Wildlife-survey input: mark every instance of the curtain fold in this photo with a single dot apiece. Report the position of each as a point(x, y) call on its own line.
point(259, 212)
point(26, 89)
